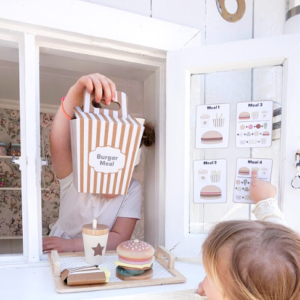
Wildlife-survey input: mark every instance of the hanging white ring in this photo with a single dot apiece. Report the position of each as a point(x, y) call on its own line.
point(228, 16)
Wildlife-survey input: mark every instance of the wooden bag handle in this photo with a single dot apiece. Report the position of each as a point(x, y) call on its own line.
point(163, 252)
point(228, 16)
point(116, 106)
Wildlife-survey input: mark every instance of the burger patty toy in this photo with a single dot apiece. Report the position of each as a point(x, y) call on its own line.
point(135, 260)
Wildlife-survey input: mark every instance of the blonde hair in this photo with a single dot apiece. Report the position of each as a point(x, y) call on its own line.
point(261, 259)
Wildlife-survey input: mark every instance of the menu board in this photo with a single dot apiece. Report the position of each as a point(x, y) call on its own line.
point(212, 126)
point(210, 181)
point(254, 124)
point(243, 179)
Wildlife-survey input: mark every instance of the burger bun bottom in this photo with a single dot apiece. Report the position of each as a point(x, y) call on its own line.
point(211, 142)
point(125, 275)
point(210, 197)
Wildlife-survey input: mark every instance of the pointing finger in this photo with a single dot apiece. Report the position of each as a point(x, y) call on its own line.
point(255, 179)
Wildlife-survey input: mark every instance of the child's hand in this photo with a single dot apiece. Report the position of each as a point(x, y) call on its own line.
point(201, 291)
point(261, 190)
point(57, 243)
point(96, 84)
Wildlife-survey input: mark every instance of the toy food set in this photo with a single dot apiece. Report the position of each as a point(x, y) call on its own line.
point(135, 259)
point(105, 141)
point(94, 241)
point(71, 272)
point(243, 178)
point(212, 126)
point(85, 275)
point(254, 124)
point(210, 181)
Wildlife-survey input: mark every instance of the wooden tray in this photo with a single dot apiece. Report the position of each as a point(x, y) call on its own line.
point(164, 258)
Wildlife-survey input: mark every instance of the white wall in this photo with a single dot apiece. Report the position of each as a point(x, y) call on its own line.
point(262, 17)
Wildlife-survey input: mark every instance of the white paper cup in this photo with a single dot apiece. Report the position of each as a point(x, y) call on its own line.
point(94, 242)
point(202, 177)
point(204, 123)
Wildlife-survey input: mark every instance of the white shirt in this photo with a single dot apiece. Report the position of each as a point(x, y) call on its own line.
point(268, 210)
point(77, 209)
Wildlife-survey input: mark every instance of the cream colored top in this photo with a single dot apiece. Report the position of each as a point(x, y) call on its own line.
point(268, 210)
point(77, 209)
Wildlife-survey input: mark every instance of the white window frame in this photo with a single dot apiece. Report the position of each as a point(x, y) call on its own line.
point(75, 27)
point(181, 64)
point(29, 161)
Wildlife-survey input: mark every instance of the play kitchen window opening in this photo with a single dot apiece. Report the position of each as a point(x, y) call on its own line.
point(22, 148)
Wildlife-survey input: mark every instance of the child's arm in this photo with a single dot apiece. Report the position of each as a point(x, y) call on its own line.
point(121, 232)
point(266, 208)
point(60, 141)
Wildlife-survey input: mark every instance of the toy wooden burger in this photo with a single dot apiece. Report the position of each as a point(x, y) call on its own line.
point(135, 260)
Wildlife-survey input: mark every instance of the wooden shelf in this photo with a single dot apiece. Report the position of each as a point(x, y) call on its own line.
point(7, 156)
point(17, 189)
point(11, 237)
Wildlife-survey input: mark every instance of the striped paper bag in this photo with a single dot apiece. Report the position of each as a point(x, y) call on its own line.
point(105, 142)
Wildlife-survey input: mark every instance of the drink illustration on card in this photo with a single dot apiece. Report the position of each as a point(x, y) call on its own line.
point(243, 179)
point(212, 126)
point(210, 181)
point(254, 124)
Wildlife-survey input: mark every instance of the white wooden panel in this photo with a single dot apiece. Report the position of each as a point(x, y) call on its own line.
point(30, 141)
point(79, 17)
point(154, 111)
point(293, 3)
point(188, 12)
point(151, 228)
point(269, 18)
point(291, 140)
point(233, 56)
point(218, 30)
point(142, 7)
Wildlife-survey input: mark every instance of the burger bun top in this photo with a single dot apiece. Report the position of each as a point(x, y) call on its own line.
point(135, 249)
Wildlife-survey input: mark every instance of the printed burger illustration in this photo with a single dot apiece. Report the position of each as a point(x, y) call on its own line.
point(134, 258)
point(210, 192)
point(244, 116)
point(244, 171)
point(212, 137)
point(266, 133)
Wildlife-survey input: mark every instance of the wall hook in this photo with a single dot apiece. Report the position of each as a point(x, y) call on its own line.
point(296, 181)
point(231, 17)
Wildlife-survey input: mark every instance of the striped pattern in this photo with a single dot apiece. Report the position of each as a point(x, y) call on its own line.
point(276, 121)
point(218, 122)
point(92, 130)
